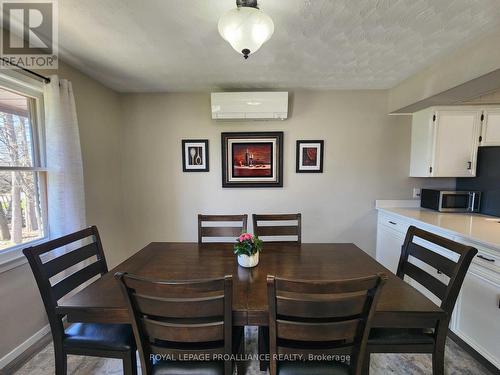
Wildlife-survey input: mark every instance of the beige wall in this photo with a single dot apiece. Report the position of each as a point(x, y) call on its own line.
point(136, 192)
point(366, 158)
point(22, 313)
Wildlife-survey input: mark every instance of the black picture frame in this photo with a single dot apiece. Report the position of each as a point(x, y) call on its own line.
point(189, 161)
point(262, 143)
point(299, 162)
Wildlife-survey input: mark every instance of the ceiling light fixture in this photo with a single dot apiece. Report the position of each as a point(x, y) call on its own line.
point(246, 28)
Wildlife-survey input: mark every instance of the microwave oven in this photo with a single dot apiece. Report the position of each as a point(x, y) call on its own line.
point(451, 201)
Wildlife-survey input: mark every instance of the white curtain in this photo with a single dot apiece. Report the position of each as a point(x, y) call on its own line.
point(66, 196)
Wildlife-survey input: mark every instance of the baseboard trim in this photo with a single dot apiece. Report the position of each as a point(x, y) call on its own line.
point(18, 356)
point(474, 353)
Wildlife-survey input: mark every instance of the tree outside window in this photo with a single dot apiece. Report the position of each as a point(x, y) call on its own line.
point(21, 218)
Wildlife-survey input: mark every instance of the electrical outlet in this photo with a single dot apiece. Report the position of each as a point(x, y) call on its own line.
point(416, 193)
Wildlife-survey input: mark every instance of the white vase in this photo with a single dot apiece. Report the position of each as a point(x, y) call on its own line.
point(248, 261)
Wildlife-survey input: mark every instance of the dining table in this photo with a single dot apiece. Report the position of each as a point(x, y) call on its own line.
point(400, 304)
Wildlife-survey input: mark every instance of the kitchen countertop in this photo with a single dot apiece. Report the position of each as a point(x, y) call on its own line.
point(479, 228)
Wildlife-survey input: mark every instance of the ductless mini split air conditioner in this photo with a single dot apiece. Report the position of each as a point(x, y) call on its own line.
point(249, 105)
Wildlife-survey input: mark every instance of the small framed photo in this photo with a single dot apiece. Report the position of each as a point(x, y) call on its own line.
point(310, 156)
point(195, 155)
point(252, 160)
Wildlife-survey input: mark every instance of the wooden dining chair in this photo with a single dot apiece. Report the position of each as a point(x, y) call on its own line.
point(219, 233)
point(274, 232)
point(320, 318)
point(173, 320)
point(277, 232)
point(422, 339)
point(87, 339)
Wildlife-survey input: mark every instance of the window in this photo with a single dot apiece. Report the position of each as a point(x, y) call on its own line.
point(22, 179)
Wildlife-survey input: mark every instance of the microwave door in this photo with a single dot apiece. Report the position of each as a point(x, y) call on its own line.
point(454, 202)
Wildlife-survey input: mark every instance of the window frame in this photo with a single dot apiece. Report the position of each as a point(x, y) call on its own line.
point(19, 83)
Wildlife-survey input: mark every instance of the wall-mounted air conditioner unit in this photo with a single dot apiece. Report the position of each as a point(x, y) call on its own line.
point(249, 105)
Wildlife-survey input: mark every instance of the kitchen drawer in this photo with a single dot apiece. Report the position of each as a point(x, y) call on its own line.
point(394, 223)
point(487, 258)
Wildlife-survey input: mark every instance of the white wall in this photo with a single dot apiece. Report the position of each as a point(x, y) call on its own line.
point(366, 158)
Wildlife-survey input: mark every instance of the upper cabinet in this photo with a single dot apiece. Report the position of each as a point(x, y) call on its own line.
point(445, 142)
point(491, 127)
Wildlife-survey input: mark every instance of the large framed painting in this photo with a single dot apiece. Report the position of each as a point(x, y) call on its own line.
point(309, 157)
point(195, 155)
point(252, 159)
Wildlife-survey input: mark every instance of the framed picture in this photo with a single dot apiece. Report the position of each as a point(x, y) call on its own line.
point(309, 156)
point(195, 155)
point(252, 159)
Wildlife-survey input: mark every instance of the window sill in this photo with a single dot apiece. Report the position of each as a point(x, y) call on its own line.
point(13, 257)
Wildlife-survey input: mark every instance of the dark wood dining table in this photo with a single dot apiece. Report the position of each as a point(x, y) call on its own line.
point(400, 304)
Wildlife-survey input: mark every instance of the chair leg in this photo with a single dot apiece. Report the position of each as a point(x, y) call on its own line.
point(365, 370)
point(130, 363)
point(263, 335)
point(439, 347)
point(61, 362)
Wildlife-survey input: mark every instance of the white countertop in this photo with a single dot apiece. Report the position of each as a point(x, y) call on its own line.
point(479, 228)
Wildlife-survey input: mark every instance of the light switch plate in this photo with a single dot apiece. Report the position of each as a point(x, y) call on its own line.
point(416, 193)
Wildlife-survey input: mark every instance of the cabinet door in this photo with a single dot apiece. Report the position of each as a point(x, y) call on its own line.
point(491, 128)
point(456, 143)
point(389, 244)
point(478, 315)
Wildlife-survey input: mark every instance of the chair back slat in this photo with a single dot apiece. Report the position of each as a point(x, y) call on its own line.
point(438, 261)
point(221, 233)
point(341, 305)
point(57, 265)
point(182, 289)
point(432, 284)
point(62, 263)
point(63, 241)
point(178, 308)
point(285, 230)
point(273, 231)
point(78, 278)
point(455, 270)
point(321, 317)
point(319, 287)
point(307, 331)
point(179, 317)
point(194, 331)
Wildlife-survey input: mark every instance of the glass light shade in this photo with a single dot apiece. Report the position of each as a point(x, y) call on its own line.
point(246, 29)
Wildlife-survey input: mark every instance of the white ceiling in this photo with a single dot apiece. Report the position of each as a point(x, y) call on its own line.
point(173, 45)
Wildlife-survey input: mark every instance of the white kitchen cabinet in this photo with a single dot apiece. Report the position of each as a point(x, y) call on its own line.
point(478, 313)
point(490, 135)
point(445, 142)
point(389, 242)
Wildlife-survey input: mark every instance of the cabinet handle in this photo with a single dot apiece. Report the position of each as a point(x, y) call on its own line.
point(469, 165)
point(393, 223)
point(486, 259)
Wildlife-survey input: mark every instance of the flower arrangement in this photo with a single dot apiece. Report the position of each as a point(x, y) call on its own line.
point(247, 244)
